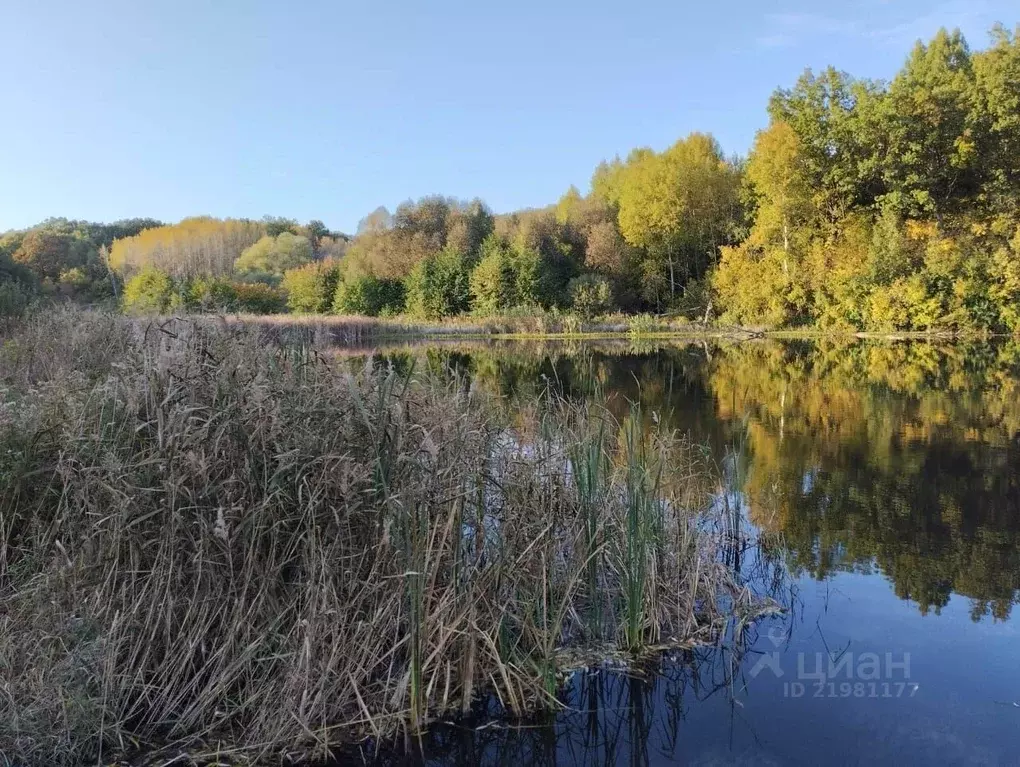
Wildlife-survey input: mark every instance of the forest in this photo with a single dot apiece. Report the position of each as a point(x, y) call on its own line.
point(862, 205)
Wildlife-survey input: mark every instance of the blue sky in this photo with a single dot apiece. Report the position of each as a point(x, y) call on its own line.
point(318, 109)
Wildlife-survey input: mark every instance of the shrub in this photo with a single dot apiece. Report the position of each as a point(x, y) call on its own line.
point(14, 299)
point(17, 287)
point(590, 295)
point(312, 287)
point(211, 294)
point(257, 298)
point(149, 292)
point(644, 324)
point(370, 296)
point(74, 279)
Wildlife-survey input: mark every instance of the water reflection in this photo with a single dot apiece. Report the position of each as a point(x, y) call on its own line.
point(610, 717)
point(895, 456)
point(870, 486)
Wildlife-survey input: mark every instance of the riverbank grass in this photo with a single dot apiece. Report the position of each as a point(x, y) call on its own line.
point(217, 544)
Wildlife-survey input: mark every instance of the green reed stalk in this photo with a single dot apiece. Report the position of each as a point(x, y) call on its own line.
point(590, 464)
point(640, 509)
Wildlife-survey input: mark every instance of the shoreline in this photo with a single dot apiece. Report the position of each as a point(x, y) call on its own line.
point(515, 329)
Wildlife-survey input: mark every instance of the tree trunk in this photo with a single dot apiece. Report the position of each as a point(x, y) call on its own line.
point(786, 246)
point(672, 278)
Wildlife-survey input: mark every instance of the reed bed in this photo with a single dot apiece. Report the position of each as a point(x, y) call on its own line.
point(218, 545)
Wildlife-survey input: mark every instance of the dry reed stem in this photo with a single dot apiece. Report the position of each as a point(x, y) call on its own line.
point(214, 541)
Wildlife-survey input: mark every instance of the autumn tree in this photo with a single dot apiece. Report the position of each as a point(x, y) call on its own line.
point(760, 279)
point(48, 253)
point(679, 205)
point(194, 246)
point(609, 255)
point(311, 288)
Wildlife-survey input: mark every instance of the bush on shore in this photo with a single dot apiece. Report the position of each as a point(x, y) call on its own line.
point(154, 292)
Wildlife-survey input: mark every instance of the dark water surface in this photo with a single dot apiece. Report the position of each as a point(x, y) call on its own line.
point(876, 489)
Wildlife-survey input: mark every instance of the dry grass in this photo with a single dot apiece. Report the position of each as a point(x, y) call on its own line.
point(216, 543)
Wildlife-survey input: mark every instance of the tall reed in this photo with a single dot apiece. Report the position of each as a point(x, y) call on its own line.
point(213, 542)
point(590, 464)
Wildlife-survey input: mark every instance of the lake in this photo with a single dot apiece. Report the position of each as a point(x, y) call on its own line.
point(874, 488)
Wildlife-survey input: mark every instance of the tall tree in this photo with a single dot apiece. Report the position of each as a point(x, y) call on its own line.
point(839, 165)
point(194, 246)
point(782, 194)
point(997, 109)
point(932, 159)
point(679, 206)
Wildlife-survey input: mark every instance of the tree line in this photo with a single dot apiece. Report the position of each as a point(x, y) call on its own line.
point(69, 258)
point(887, 206)
point(862, 205)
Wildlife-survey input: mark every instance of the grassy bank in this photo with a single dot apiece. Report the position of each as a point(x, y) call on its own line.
point(212, 542)
point(353, 330)
point(356, 331)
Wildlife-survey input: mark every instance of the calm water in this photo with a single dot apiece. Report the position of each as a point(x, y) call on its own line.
point(876, 487)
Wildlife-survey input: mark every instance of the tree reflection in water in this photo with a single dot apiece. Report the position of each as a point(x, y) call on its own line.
point(899, 459)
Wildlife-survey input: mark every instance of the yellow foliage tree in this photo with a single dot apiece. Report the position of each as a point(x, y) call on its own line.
point(195, 246)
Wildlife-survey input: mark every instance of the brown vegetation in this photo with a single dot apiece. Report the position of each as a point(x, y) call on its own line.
point(212, 541)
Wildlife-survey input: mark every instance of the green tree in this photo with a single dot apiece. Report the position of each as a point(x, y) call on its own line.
point(277, 225)
point(679, 206)
point(315, 231)
point(151, 291)
point(493, 281)
point(369, 295)
point(17, 287)
point(439, 285)
point(996, 109)
point(273, 256)
point(821, 111)
point(932, 157)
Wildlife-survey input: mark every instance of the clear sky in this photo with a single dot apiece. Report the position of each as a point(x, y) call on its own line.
point(319, 109)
